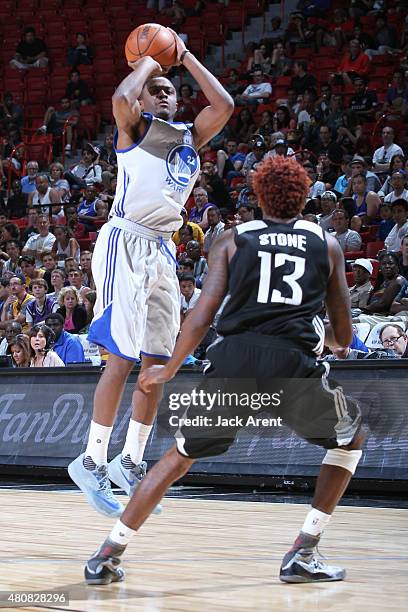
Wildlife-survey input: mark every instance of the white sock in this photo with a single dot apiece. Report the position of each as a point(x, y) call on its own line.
point(315, 522)
point(121, 534)
point(136, 439)
point(98, 442)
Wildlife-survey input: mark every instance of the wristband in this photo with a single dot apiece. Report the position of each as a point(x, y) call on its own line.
point(183, 55)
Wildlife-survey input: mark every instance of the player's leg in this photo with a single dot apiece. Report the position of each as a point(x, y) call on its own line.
point(342, 436)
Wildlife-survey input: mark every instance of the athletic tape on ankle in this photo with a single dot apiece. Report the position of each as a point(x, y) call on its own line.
point(342, 458)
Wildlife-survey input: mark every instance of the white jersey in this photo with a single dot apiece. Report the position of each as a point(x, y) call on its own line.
point(156, 175)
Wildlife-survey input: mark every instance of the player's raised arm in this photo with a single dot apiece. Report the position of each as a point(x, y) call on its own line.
point(212, 118)
point(339, 332)
point(125, 100)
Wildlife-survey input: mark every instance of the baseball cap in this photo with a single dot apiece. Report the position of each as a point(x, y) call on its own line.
point(280, 141)
point(330, 195)
point(399, 173)
point(90, 147)
point(357, 159)
point(364, 263)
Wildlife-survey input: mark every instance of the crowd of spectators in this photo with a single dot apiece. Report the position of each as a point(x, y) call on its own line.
point(350, 137)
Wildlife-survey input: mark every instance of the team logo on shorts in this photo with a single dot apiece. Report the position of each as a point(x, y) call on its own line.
point(182, 163)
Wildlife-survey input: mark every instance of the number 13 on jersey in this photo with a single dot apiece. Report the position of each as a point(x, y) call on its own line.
point(268, 262)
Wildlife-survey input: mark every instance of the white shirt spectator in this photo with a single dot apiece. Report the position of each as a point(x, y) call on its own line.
point(39, 243)
point(3, 346)
point(349, 240)
point(184, 305)
point(391, 196)
point(273, 153)
point(393, 240)
point(383, 155)
point(211, 234)
point(258, 90)
point(91, 174)
point(316, 189)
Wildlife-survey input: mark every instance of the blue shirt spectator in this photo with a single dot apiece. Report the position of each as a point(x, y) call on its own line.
point(67, 346)
point(28, 182)
point(358, 344)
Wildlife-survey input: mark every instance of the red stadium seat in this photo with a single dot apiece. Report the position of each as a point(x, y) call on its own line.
point(373, 248)
point(351, 255)
point(350, 279)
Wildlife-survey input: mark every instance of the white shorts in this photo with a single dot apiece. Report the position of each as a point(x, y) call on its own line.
point(137, 308)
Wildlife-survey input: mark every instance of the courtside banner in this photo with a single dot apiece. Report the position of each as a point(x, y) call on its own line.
point(45, 416)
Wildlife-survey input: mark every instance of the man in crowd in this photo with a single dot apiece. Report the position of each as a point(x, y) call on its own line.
point(398, 182)
point(12, 329)
point(393, 337)
point(246, 212)
point(302, 79)
point(32, 223)
point(364, 102)
point(12, 266)
point(258, 92)
point(44, 196)
point(216, 227)
point(67, 346)
point(361, 291)
point(28, 182)
point(328, 205)
point(189, 293)
point(348, 239)
point(198, 233)
point(31, 52)
point(16, 303)
point(215, 187)
point(85, 261)
point(383, 155)
point(41, 306)
point(199, 213)
point(200, 263)
point(399, 210)
point(56, 119)
point(37, 244)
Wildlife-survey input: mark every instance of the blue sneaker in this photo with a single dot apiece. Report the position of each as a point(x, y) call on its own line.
point(96, 487)
point(128, 478)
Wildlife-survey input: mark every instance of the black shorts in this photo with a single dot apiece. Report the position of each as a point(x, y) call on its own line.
point(261, 381)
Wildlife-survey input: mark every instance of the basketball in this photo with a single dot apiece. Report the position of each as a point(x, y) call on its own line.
point(152, 39)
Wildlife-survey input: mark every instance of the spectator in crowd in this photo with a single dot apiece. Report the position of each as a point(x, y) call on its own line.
point(399, 209)
point(72, 310)
point(275, 32)
point(20, 351)
point(280, 147)
point(385, 37)
point(231, 159)
point(58, 278)
point(396, 100)
point(246, 213)
point(393, 337)
point(88, 171)
point(58, 120)
point(107, 195)
point(348, 239)
point(294, 32)
point(107, 156)
point(5, 293)
point(76, 279)
point(354, 64)
point(403, 262)
point(199, 213)
point(302, 79)
point(89, 305)
point(214, 186)
point(65, 245)
point(17, 202)
point(12, 265)
point(58, 182)
point(10, 231)
point(49, 264)
point(258, 92)
point(327, 146)
point(86, 267)
point(11, 114)
point(45, 196)
point(317, 188)
point(186, 234)
point(187, 107)
point(400, 304)
point(256, 155)
point(261, 58)
point(189, 293)
point(185, 265)
point(364, 102)
point(200, 263)
point(232, 83)
point(245, 125)
point(41, 342)
point(358, 165)
point(41, 306)
point(328, 204)
point(387, 222)
point(37, 244)
point(68, 347)
point(280, 64)
point(397, 163)
point(383, 155)
point(198, 233)
point(216, 227)
point(361, 291)
point(81, 53)
point(28, 182)
point(367, 202)
point(70, 264)
point(31, 52)
point(91, 207)
point(77, 90)
point(387, 287)
point(398, 183)
point(32, 223)
point(16, 304)
point(11, 330)
point(30, 272)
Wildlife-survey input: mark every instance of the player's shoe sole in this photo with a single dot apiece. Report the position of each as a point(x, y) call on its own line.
point(96, 487)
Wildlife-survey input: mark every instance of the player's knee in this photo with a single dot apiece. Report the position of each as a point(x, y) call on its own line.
point(341, 457)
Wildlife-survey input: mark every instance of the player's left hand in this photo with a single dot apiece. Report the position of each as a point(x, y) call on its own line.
point(154, 375)
point(180, 46)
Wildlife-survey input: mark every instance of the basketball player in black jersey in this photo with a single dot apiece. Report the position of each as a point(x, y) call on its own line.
point(277, 273)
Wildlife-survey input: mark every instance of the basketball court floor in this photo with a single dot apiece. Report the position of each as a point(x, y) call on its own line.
point(204, 553)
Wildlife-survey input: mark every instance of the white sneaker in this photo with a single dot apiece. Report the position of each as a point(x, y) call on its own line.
point(128, 479)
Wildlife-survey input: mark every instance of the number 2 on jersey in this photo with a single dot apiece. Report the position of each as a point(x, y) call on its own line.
point(290, 279)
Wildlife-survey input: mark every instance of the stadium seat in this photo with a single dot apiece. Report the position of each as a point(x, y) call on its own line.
point(351, 255)
point(373, 248)
point(350, 279)
point(361, 330)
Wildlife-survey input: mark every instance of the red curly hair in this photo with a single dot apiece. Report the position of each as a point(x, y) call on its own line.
point(281, 185)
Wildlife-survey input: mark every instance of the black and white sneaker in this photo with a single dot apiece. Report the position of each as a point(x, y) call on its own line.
point(104, 566)
point(300, 564)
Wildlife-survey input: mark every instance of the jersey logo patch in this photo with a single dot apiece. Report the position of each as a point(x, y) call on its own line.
point(182, 163)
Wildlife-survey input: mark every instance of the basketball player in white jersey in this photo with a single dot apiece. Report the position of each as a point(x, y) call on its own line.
point(137, 307)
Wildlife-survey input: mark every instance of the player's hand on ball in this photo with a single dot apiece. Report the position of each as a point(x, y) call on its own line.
point(179, 44)
point(153, 376)
point(157, 70)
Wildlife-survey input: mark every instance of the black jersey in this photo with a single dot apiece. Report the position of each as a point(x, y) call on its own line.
point(277, 282)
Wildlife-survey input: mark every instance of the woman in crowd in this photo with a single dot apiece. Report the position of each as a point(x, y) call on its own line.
point(74, 313)
point(187, 108)
point(65, 245)
point(58, 182)
point(397, 163)
point(20, 351)
point(245, 126)
point(89, 303)
point(281, 120)
point(387, 286)
point(41, 342)
point(10, 231)
point(266, 126)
